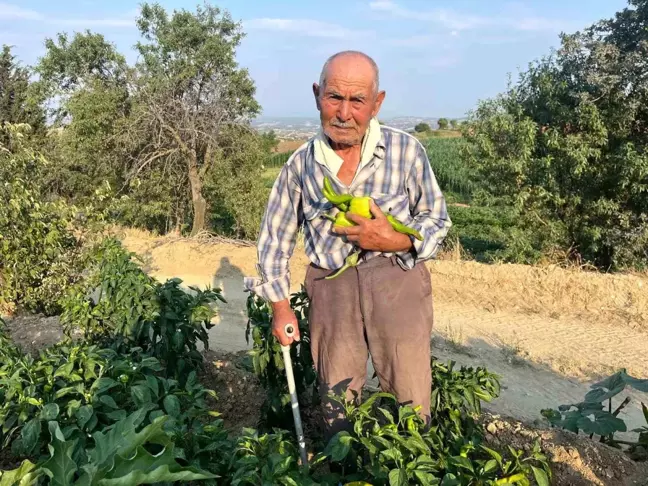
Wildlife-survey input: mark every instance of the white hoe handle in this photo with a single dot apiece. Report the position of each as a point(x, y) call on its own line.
point(290, 331)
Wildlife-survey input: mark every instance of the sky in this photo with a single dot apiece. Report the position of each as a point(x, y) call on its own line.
point(436, 57)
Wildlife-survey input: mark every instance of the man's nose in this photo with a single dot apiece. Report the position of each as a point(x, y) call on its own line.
point(344, 111)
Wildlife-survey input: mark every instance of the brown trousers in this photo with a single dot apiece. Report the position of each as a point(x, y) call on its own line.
point(377, 308)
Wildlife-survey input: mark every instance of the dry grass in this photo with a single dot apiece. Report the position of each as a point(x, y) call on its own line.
point(550, 291)
point(288, 145)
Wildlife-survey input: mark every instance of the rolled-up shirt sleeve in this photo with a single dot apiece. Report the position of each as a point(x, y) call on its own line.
point(276, 242)
point(428, 209)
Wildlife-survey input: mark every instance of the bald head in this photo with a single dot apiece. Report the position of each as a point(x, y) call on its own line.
point(351, 60)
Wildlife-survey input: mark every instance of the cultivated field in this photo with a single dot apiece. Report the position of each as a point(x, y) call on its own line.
point(547, 332)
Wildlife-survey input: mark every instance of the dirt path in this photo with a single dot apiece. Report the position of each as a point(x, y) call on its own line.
point(543, 361)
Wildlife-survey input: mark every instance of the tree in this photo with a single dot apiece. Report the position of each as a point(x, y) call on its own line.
point(454, 124)
point(85, 80)
point(85, 62)
point(17, 103)
point(443, 123)
point(422, 128)
point(567, 143)
point(270, 141)
point(189, 88)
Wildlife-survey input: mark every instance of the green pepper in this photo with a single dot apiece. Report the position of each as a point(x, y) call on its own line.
point(350, 261)
point(361, 206)
point(340, 219)
point(401, 228)
point(339, 200)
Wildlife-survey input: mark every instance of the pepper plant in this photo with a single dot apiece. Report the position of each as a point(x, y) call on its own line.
point(591, 417)
point(387, 444)
point(268, 364)
point(120, 455)
point(119, 304)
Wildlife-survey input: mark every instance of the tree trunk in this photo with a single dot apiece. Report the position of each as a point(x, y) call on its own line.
point(197, 199)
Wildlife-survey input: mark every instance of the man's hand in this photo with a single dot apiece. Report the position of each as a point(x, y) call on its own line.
point(374, 234)
point(283, 314)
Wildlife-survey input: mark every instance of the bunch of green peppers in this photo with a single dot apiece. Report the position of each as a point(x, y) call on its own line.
point(362, 207)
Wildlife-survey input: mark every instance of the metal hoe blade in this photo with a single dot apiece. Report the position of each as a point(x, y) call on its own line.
point(290, 331)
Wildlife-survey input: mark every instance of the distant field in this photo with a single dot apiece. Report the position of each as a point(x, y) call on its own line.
point(437, 134)
point(288, 145)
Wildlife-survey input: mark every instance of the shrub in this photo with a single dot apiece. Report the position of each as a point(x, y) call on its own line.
point(268, 365)
point(566, 144)
point(235, 188)
point(39, 251)
point(422, 128)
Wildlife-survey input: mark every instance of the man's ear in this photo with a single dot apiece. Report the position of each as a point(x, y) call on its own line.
point(379, 100)
point(316, 91)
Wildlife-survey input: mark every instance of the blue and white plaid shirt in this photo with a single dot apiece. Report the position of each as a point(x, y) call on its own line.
point(398, 178)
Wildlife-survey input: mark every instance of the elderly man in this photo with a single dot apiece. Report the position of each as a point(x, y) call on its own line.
point(383, 306)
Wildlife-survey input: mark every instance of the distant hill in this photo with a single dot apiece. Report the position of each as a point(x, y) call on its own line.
point(301, 128)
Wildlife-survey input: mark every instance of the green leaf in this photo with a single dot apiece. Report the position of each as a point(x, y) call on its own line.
point(30, 434)
point(155, 473)
point(104, 384)
point(60, 467)
point(641, 385)
point(64, 370)
point(141, 395)
point(25, 475)
point(494, 454)
point(109, 401)
point(450, 480)
point(172, 405)
point(540, 476)
point(426, 478)
point(122, 459)
point(370, 401)
point(152, 383)
point(398, 477)
point(83, 415)
point(462, 462)
point(49, 412)
point(600, 423)
point(339, 446)
point(490, 466)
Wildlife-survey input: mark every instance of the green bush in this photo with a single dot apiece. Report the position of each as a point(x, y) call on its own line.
point(268, 365)
point(590, 416)
point(39, 252)
point(235, 188)
point(391, 445)
point(76, 411)
point(566, 144)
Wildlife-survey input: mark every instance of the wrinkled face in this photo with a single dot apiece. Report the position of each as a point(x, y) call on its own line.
point(347, 102)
